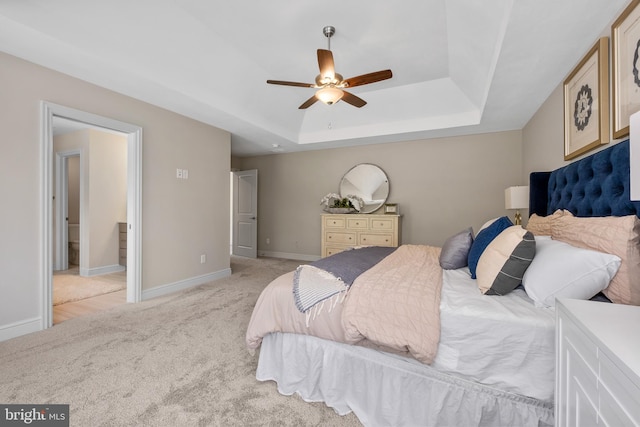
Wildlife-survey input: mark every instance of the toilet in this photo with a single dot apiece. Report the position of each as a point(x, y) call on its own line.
point(74, 244)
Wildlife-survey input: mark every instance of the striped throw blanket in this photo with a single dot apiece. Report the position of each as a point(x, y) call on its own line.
point(327, 277)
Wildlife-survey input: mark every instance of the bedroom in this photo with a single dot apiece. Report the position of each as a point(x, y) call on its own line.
point(179, 224)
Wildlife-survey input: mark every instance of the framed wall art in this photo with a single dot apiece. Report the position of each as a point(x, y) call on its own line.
point(586, 102)
point(625, 52)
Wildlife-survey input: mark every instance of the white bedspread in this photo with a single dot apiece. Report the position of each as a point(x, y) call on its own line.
point(503, 342)
point(496, 340)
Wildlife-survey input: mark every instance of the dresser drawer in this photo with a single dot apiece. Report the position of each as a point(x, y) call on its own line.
point(582, 345)
point(357, 223)
point(341, 237)
point(626, 395)
point(582, 378)
point(383, 224)
point(338, 222)
point(378, 239)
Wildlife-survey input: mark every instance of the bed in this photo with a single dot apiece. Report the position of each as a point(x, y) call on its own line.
point(488, 356)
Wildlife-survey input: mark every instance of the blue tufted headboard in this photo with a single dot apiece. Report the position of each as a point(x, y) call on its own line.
point(597, 185)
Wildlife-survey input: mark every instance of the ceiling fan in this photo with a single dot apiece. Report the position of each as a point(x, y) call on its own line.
point(330, 84)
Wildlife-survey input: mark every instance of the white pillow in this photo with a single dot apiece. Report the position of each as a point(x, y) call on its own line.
point(560, 270)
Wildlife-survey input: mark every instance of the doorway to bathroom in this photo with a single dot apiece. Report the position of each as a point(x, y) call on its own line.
point(90, 204)
point(55, 237)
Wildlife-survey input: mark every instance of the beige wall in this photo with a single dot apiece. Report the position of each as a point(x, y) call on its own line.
point(441, 186)
point(181, 219)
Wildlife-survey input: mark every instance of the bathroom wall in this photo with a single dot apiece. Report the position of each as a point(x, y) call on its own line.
point(73, 170)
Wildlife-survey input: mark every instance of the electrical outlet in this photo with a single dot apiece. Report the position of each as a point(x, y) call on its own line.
point(203, 258)
point(268, 241)
point(179, 173)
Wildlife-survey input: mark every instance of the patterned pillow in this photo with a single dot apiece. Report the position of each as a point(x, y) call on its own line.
point(542, 225)
point(505, 260)
point(482, 240)
point(456, 250)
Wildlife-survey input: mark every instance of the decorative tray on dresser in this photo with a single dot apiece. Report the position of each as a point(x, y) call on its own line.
point(597, 364)
point(340, 232)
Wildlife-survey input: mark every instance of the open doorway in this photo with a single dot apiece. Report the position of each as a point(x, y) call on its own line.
point(90, 211)
point(51, 243)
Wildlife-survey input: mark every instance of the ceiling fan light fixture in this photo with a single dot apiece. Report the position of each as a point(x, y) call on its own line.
point(330, 84)
point(329, 95)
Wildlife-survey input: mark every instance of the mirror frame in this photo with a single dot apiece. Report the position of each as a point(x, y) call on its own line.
point(382, 178)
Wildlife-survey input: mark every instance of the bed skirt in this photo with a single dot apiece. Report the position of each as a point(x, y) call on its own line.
point(383, 389)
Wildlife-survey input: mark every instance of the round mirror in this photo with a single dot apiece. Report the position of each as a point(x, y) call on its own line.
point(368, 182)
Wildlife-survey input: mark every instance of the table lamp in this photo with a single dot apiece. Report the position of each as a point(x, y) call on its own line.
point(517, 198)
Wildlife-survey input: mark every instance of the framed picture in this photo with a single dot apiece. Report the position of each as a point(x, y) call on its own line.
point(391, 208)
point(586, 102)
point(625, 42)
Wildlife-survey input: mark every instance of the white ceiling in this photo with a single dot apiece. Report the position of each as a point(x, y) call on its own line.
point(459, 66)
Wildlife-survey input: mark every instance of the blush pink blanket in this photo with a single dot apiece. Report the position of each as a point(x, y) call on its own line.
point(395, 306)
point(396, 303)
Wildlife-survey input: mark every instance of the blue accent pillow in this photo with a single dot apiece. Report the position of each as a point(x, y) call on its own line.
point(482, 240)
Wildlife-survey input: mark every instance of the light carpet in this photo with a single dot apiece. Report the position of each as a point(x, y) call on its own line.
point(69, 286)
point(177, 360)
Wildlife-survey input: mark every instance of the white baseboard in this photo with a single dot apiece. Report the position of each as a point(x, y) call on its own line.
point(184, 284)
point(286, 255)
point(98, 271)
point(17, 329)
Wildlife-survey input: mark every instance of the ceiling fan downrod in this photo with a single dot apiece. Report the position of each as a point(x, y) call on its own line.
point(329, 31)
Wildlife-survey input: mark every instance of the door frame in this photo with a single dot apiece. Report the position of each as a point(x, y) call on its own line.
point(134, 200)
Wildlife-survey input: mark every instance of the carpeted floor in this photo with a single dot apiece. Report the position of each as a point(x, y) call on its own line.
point(178, 360)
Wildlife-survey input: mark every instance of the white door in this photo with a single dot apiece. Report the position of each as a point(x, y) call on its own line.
point(245, 213)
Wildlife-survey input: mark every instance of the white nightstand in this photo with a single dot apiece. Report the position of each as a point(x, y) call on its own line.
point(597, 364)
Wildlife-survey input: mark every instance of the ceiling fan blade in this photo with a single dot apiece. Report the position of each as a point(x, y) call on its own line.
point(325, 61)
point(284, 83)
point(353, 100)
point(368, 78)
point(308, 103)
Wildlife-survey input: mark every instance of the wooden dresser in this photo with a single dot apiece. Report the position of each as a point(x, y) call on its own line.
point(597, 364)
point(340, 232)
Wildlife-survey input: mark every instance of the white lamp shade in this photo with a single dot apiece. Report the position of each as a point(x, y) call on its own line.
point(516, 197)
